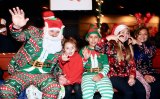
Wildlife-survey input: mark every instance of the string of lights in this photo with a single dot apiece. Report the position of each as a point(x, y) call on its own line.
point(99, 11)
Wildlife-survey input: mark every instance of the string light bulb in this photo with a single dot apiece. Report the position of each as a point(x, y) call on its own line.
point(99, 11)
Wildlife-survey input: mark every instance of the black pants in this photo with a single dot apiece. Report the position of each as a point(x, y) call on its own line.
point(77, 89)
point(137, 91)
point(1, 74)
point(155, 87)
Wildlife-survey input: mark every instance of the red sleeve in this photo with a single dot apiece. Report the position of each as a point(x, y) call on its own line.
point(61, 62)
point(84, 60)
point(101, 75)
point(13, 29)
point(132, 68)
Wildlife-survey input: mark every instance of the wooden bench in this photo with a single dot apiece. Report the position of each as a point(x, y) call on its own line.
point(4, 61)
point(6, 57)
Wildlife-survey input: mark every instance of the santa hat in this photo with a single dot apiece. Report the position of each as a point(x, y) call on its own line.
point(118, 28)
point(55, 24)
point(48, 15)
point(93, 30)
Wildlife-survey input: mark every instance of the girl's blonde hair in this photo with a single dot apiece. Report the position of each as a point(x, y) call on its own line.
point(128, 49)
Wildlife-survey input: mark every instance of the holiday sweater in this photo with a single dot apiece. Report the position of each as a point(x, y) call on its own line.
point(95, 60)
point(73, 68)
point(143, 56)
point(30, 51)
point(123, 68)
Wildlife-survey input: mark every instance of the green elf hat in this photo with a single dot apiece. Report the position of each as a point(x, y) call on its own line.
point(93, 30)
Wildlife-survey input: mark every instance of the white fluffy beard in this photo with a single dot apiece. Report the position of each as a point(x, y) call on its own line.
point(51, 45)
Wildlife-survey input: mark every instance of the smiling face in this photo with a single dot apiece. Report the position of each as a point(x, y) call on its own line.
point(142, 36)
point(93, 40)
point(69, 48)
point(53, 33)
point(124, 35)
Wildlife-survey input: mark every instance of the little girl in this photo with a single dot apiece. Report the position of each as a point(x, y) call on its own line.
point(72, 68)
point(96, 69)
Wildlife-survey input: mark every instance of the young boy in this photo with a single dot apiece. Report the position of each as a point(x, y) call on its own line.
point(96, 69)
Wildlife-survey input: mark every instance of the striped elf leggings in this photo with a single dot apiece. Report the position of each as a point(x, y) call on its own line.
point(89, 87)
point(20, 81)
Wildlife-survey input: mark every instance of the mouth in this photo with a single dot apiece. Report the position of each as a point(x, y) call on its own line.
point(121, 36)
point(70, 54)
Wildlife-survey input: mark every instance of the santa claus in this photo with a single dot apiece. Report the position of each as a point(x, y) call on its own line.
point(36, 61)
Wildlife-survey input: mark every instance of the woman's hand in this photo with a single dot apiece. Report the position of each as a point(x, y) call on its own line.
point(131, 81)
point(149, 78)
point(18, 17)
point(133, 41)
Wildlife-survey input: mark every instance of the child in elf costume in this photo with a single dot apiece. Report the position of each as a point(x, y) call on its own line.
point(96, 69)
point(72, 67)
point(37, 58)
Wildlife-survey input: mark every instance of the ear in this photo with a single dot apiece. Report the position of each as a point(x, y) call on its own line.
point(135, 36)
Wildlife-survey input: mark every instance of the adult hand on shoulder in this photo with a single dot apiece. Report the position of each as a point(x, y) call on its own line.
point(18, 17)
point(96, 78)
point(149, 78)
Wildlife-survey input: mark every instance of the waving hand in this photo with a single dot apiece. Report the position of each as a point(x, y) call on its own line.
point(18, 17)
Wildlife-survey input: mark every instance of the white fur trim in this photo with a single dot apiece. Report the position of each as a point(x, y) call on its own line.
point(49, 17)
point(29, 69)
point(119, 28)
point(58, 29)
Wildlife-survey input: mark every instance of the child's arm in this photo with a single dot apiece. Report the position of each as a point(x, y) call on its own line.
point(132, 71)
point(105, 69)
point(85, 54)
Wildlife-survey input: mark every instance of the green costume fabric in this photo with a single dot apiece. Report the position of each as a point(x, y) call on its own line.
point(44, 78)
point(104, 86)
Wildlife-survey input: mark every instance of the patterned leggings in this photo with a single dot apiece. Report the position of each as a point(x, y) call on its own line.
point(89, 87)
point(20, 81)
